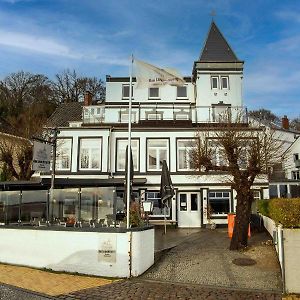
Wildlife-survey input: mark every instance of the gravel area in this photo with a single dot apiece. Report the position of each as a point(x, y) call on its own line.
point(204, 258)
point(12, 293)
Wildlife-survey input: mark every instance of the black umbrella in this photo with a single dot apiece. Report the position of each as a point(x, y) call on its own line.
point(131, 175)
point(166, 186)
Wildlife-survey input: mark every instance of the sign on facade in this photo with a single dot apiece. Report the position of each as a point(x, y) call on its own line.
point(107, 250)
point(41, 157)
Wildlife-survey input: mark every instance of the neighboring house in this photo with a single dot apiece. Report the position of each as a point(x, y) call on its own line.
point(284, 178)
point(93, 137)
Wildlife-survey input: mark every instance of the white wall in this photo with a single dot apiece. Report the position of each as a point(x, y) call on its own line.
point(73, 251)
point(167, 93)
point(206, 96)
point(289, 163)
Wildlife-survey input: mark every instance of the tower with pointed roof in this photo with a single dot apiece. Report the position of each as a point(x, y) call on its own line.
point(218, 73)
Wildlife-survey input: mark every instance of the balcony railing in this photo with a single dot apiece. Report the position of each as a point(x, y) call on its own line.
point(195, 114)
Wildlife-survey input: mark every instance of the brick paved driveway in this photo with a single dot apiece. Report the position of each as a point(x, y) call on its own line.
point(142, 289)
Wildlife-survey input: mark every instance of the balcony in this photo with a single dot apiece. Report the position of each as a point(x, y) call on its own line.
point(155, 113)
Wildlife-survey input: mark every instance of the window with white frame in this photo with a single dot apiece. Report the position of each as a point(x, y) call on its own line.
point(90, 153)
point(157, 150)
point(296, 175)
point(225, 82)
point(296, 156)
point(219, 202)
point(125, 91)
point(121, 154)
point(217, 153)
point(182, 92)
point(214, 82)
point(154, 93)
point(63, 154)
point(124, 117)
point(184, 151)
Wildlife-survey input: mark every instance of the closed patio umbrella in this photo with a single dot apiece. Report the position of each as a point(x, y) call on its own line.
point(166, 189)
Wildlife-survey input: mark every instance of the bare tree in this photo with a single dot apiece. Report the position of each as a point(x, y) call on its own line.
point(241, 154)
point(69, 87)
point(295, 123)
point(264, 115)
point(16, 155)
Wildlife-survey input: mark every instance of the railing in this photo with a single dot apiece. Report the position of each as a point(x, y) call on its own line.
point(157, 112)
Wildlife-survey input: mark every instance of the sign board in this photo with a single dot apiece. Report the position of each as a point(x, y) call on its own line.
point(41, 157)
point(107, 250)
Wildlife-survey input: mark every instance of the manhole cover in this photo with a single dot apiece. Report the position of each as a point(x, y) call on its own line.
point(244, 262)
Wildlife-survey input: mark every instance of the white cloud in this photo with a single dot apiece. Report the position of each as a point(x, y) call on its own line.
point(35, 43)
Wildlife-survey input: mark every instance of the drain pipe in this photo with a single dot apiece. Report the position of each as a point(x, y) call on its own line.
point(281, 254)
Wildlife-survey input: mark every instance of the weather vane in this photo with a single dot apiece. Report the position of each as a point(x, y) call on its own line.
point(213, 13)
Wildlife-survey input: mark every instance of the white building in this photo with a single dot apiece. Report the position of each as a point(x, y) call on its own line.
point(93, 136)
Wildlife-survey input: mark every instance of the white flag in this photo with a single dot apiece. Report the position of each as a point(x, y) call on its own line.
point(151, 76)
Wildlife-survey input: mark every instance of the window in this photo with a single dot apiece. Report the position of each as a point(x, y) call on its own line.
point(217, 154)
point(194, 202)
point(63, 154)
point(219, 202)
point(184, 150)
point(90, 154)
point(157, 152)
point(296, 156)
point(214, 82)
point(153, 93)
point(183, 202)
point(224, 81)
point(121, 153)
point(296, 175)
point(158, 210)
point(125, 91)
point(181, 92)
point(124, 116)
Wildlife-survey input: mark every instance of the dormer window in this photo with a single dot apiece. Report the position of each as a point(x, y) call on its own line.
point(225, 85)
point(153, 93)
point(214, 82)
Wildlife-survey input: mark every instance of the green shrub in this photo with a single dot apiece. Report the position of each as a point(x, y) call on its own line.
point(285, 212)
point(263, 207)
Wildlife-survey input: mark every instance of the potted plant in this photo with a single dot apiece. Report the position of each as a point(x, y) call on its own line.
point(210, 223)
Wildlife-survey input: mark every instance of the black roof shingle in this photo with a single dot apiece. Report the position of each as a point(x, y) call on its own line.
point(216, 48)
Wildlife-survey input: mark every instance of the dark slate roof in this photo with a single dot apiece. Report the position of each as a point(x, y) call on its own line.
point(216, 48)
point(65, 113)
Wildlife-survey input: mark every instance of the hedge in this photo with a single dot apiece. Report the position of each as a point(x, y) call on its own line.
point(284, 211)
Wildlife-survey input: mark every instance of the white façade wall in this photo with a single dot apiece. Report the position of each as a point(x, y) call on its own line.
point(81, 252)
point(206, 96)
point(166, 93)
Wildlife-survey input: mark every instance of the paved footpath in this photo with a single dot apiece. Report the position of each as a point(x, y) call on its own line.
point(143, 289)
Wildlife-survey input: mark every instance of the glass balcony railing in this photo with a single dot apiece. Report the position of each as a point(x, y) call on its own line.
point(148, 113)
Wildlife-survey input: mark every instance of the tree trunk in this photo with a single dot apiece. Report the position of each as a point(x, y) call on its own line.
point(243, 212)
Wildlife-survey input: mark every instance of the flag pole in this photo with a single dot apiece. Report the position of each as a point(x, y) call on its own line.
point(128, 183)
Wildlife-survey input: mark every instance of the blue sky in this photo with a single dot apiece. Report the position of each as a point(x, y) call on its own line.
point(96, 38)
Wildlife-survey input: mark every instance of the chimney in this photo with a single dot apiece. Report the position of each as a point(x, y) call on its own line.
point(285, 123)
point(88, 97)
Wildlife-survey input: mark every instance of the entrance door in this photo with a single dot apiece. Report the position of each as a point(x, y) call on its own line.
point(189, 209)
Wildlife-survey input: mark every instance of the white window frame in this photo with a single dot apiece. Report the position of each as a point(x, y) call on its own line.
point(157, 154)
point(121, 150)
point(186, 92)
point(124, 117)
point(156, 196)
point(227, 80)
point(296, 175)
point(90, 167)
point(125, 86)
point(212, 80)
point(64, 151)
point(155, 97)
point(184, 150)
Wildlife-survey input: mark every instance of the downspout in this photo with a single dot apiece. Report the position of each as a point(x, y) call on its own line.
point(109, 151)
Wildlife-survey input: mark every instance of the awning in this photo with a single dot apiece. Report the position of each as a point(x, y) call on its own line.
point(45, 183)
